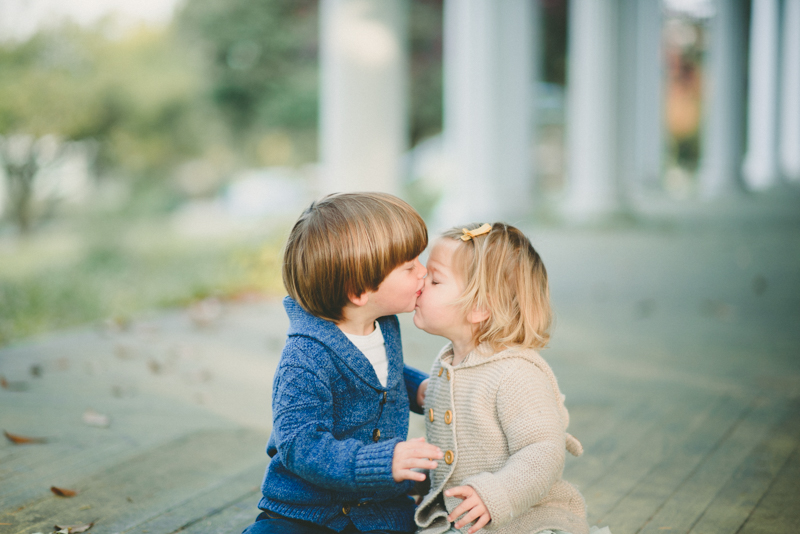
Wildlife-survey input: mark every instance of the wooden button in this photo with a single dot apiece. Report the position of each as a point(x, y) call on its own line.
point(383, 401)
point(440, 370)
point(346, 509)
point(376, 435)
point(430, 414)
point(448, 375)
point(448, 417)
point(448, 457)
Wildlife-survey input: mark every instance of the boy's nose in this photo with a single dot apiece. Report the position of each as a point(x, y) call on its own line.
point(422, 270)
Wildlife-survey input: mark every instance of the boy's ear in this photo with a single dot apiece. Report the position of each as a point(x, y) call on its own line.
point(359, 300)
point(478, 315)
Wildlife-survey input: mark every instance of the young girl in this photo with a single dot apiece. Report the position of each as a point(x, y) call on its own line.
point(492, 403)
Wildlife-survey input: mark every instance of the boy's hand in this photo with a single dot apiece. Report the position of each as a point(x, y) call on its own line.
point(472, 506)
point(421, 390)
point(414, 453)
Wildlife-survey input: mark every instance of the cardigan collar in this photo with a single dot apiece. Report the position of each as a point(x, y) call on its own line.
point(483, 354)
point(302, 323)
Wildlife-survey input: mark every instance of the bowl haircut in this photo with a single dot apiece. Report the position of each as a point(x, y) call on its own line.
point(346, 244)
point(503, 273)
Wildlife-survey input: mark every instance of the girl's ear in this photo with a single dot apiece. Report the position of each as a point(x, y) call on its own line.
point(359, 300)
point(478, 315)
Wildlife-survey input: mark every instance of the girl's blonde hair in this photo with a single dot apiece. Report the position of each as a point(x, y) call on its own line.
point(505, 276)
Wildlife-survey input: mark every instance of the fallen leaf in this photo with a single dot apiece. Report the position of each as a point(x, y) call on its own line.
point(71, 529)
point(92, 418)
point(22, 440)
point(123, 352)
point(154, 367)
point(62, 492)
point(13, 386)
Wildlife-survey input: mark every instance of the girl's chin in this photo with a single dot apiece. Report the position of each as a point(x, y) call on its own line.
point(421, 325)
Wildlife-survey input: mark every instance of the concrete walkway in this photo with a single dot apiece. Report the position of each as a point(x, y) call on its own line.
point(676, 344)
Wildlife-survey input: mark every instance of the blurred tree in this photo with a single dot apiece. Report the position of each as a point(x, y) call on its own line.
point(136, 97)
point(262, 60)
point(425, 58)
point(261, 57)
point(554, 18)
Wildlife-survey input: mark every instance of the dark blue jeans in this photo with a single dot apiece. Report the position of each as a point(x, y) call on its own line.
point(269, 523)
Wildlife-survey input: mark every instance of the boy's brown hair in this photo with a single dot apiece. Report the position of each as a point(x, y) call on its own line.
point(504, 275)
point(346, 244)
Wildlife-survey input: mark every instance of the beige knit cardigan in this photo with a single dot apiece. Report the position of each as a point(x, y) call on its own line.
point(501, 421)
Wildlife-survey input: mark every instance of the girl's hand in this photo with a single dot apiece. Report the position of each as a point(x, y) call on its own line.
point(414, 453)
point(421, 390)
point(472, 507)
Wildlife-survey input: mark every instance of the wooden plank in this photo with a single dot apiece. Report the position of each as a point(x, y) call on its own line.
point(242, 490)
point(642, 481)
point(77, 453)
point(625, 428)
point(665, 436)
point(231, 520)
point(123, 496)
point(739, 497)
point(779, 510)
point(683, 508)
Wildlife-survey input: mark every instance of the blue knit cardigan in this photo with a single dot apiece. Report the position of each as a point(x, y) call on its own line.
point(335, 428)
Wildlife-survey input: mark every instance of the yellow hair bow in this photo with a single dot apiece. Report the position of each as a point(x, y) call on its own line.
point(469, 234)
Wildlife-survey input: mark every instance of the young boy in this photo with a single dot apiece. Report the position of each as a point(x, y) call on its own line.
point(341, 393)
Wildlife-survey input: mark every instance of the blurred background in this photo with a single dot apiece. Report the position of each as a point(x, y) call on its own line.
point(155, 153)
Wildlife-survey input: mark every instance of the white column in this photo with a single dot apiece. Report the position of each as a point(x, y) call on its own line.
point(790, 92)
point(640, 96)
point(724, 101)
point(363, 124)
point(488, 76)
point(760, 164)
point(592, 108)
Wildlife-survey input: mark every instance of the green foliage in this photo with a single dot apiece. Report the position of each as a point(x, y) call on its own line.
point(425, 63)
point(117, 269)
point(261, 59)
point(262, 62)
point(137, 96)
point(553, 25)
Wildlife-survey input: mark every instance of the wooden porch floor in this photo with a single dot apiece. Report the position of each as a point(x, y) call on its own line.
point(677, 351)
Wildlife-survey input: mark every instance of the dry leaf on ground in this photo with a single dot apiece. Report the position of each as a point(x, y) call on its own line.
point(12, 386)
point(72, 529)
point(22, 440)
point(63, 492)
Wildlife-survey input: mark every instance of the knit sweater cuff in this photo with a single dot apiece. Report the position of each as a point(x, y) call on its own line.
point(374, 465)
point(493, 495)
